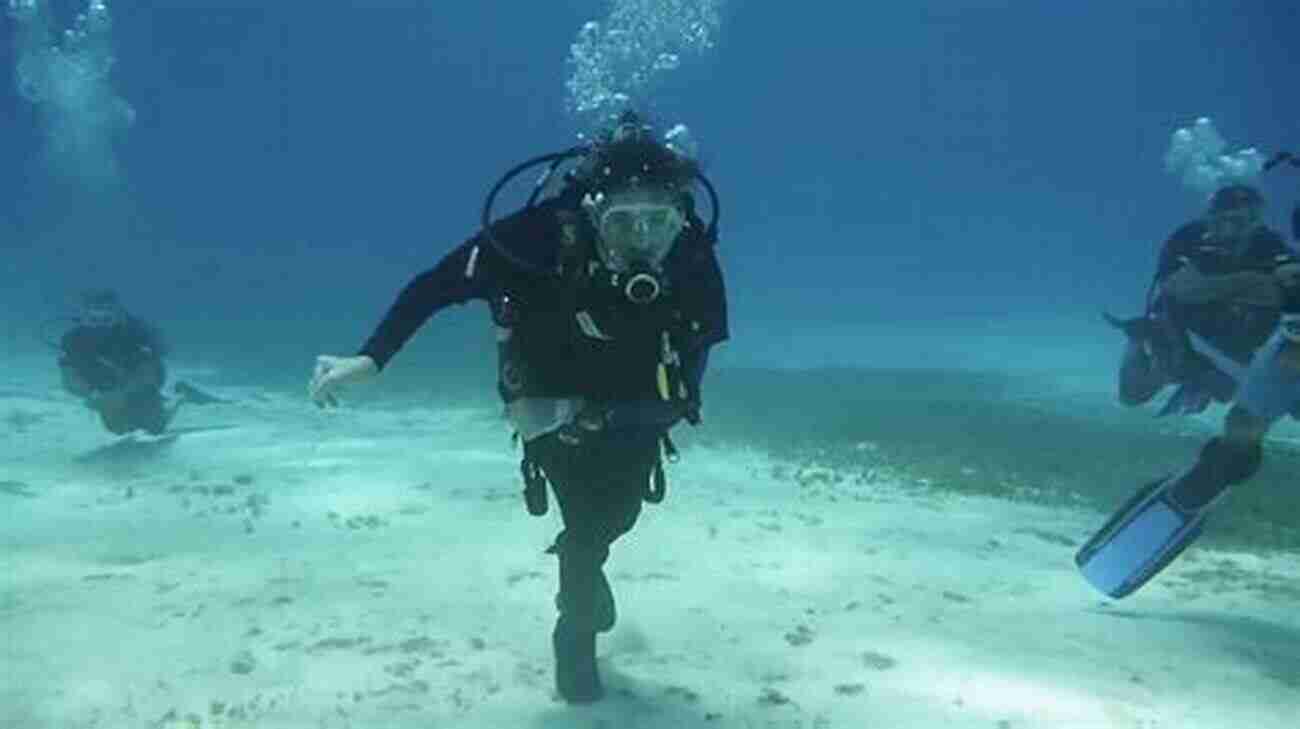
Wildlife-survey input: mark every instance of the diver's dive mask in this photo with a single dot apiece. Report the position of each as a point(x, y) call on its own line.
point(635, 233)
point(639, 232)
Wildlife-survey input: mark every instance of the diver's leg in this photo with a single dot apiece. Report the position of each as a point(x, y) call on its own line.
point(1271, 389)
point(1168, 514)
point(1155, 526)
point(600, 501)
point(115, 413)
point(577, 679)
point(115, 420)
point(1231, 458)
point(598, 485)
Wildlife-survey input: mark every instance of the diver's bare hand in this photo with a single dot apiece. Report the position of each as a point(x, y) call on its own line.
point(333, 372)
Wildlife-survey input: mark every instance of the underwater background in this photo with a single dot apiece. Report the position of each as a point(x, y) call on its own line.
point(293, 163)
point(925, 207)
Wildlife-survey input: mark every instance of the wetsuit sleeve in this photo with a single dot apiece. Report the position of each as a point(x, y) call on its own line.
point(1180, 247)
point(474, 270)
point(455, 280)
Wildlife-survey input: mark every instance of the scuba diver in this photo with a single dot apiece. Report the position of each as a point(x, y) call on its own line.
point(114, 362)
point(1217, 278)
point(607, 296)
point(1162, 518)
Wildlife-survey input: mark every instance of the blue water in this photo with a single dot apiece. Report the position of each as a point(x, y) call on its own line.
point(875, 163)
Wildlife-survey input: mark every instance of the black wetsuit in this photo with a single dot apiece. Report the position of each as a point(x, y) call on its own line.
point(119, 369)
point(599, 483)
point(1234, 328)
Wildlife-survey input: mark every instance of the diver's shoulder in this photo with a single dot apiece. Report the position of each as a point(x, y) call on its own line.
point(530, 236)
point(1193, 232)
point(1269, 237)
point(533, 220)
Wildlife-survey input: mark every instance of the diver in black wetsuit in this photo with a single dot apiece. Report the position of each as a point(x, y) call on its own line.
point(607, 297)
point(1163, 517)
point(1217, 278)
point(114, 362)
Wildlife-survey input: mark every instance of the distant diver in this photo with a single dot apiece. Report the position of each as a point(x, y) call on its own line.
point(1215, 278)
point(1221, 282)
point(114, 362)
point(607, 297)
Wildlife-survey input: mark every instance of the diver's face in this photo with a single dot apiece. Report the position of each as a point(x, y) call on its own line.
point(637, 227)
point(1234, 226)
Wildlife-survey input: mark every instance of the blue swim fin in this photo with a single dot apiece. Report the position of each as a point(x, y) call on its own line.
point(1140, 540)
point(1165, 516)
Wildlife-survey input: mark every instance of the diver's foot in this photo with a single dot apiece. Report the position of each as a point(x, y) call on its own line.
point(577, 679)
